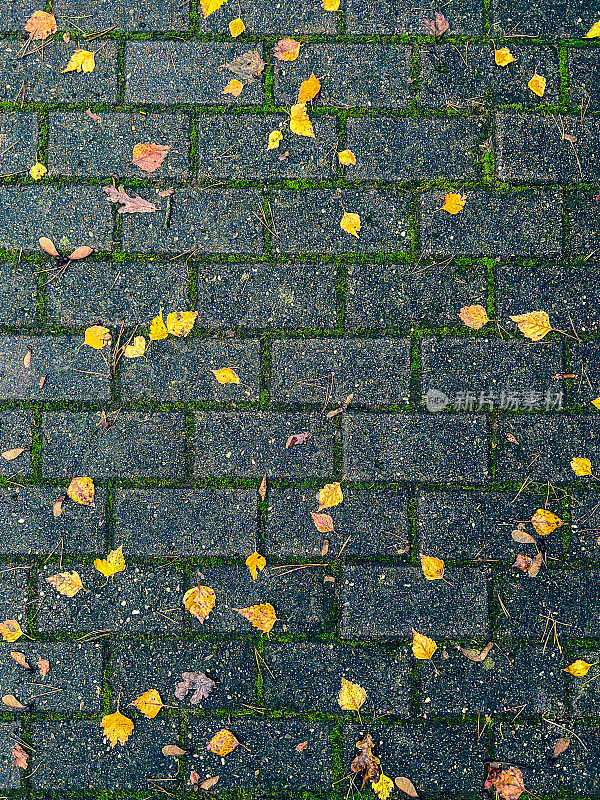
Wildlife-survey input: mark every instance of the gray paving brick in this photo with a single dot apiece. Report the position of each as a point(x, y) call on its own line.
point(266, 295)
point(10, 776)
point(585, 364)
point(13, 595)
point(179, 370)
point(405, 149)
point(375, 522)
point(42, 80)
point(144, 16)
point(15, 431)
point(380, 602)
point(14, 15)
point(555, 19)
point(136, 666)
point(204, 522)
point(142, 599)
point(409, 295)
point(18, 290)
point(584, 543)
point(197, 75)
point(284, 17)
point(82, 146)
point(71, 754)
point(306, 676)
point(415, 447)
point(583, 78)
point(28, 525)
point(584, 693)
point(375, 371)
point(250, 444)
point(451, 79)
point(217, 221)
point(271, 760)
point(395, 18)
point(18, 142)
point(502, 683)
point(309, 221)
point(354, 75)
point(494, 224)
point(75, 670)
point(150, 445)
point(584, 217)
point(116, 293)
point(546, 446)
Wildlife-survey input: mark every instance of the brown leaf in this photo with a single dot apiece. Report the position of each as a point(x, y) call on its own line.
point(20, 757)
point(209, 783)
point(323, 522)
point(43, 381)
point(21, 660)
point(173, 750)
point(57, 508)
point(222, 743)
point(194, 779)
point(406, 786)
point(81, 252)
point(93, 116)
point(166, 193)
point(301, 747)
point(262, 489)
point(11, 701)
point(536, 564)
point(341, 409)
point(477, 655)
point(43, 666)
point(561, 746)
point(10, 455)
point(248, 66)
point(511, 438)
point(438, 27)
point(48, 246)
point(130, 205)
point(522, 537)
point(366, 764)
point(298, 438)
point(325, 548)
point(508, 781)
point(148, 156)
point(27, 358)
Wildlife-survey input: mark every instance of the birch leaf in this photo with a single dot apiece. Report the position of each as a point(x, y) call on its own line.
point(148, 704)
point(225, 375)
point(454, 203)
point(299, 121)
point(40, 25)
point(236, 27)
point(148, 157)
point(578, 668)
point(135, 350)
point(210, 6)
point(262, 616)
point(383, 787)
point(286, 49)
point(351, 696)
point(274, 138)
point(534, 325)
point(67, 583)
point(503, 56)
point(81, 61)
point(346, 158)
point(537, 84)
point(113, 563)
point(97, 336)
point(350, 223)
point(117, 728)
point(330, 495)
point(594, 31)
point(222, 743)
point(158, 329)
point(234, 87)
point(200, 601)
point(309, 89)
point(433, 568)
point(581, 466)
point(422, 646)
point(474, 317)
point(545, 522)
point(255, 562)
point(180, 323)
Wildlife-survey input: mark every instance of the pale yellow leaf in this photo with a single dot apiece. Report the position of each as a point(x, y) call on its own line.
point(581, 466)
point(135, 350)
point(594, 31)
point(406, 786)
point(225, 375)
point(38, 171)
point(351, 696)
point(148, 704)
point(534, 325)
point(113, 563)
point(578, 668)
point(81, 61)
point(11, 701)
point(299, 121)
point(210, 6)
point(255, 562)
point(222, 743)
point(82, 490)
point(537, 84)
point(330, 495)
point(454, 203)
point(474, 317)
point(234, 87)
point(422, 646)
point(10, 455)
point(274, 138)
point(346, 158)
point(117, 728)
point(503, 56)
point(433, 568)
point(383, 787)
point(350, 223)
point(545, 522)
point(180, 323)
point(158, 329)
point(97, 336)
point(199, 601)
point(236, 27)
point(262, 616)
point(67, 583)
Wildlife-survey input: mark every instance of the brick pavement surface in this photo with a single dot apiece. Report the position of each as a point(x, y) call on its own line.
point(452, 439)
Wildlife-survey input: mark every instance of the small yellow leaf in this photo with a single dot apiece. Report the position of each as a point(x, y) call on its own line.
point(113, 563)
point(309, 89)
point(255, 562)
point(274, 138)
point(117, 728)
point(578, 668)
point(67, 583)
point(222, 743)
point(38, 171)
point(200, 601)
point(135, 350)
point(225, 375)
point(82, 490)
point(422, 646)
point(331, 5)
point(534, 325)
point(596, 403)
point(346, 158)
point(210, 6)
point(97, 337)
point(350, 223)
point(351, 696)
point(148, 704)
point(594, 31)
point(454, 203)
point(545, 522)
point(234, 87)
point(158, 329)
point(581, 466)
point(474, 317)
point(537, 84)
point(383, 787)
point(10, 630)
point(503, 56)
point(433, 568)
point(236, 27)
point(180, 323)
point(330, 495)
point(299, 121)
point(81, 61)
point(261, 616)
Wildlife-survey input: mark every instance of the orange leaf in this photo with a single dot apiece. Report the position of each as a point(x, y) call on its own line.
point(433, 568)
point(323, 522)
point(222, 743)
point(40, 25)
point(286, 49)
point(149, 156)
point(10, 630)
point(309, 89)
point(234, 87)
point(454, 203)
point(474, 317)
point(20, 757)
point(347, 158)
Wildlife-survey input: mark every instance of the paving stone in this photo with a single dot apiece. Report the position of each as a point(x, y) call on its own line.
point(546, 446)
point(10, 776)
point(380, 602)
point(584, 694)
point(149, 445)
point(306, 676)
point(375, 371)
point(248, 445)
point(72, 213)
point(197, 76)
point(235, 145)
point(451, 79)
point(13, 594)
point(266, 295)
point(584, 544)
point(15, 431)
point(271, 760)
point(137, 665)
point(405, 149)
point(116, 293)
point(71, 754)
point(583, 78)
point(573, 597)
point(584, 217)
point(218, 221)
point(397, 18)
point(144, 16)
point(202, 522)
point(375, 521)
point(18, 142)
point(415, 447)
point(13, 16)
point(494, 224)
point(283, 17)
point(144, 599)
point(180, 371)
point(41, 80)
point(79, 145)
point(302, 601)
point(309, 221)
point(366, 75)
point(551, 19)
point(76, 670)
point(445, 759)
point(470, 524)
point(18, 290)
point(409, 295)
point(501, 684)
point(28, 525)
point(585, 364)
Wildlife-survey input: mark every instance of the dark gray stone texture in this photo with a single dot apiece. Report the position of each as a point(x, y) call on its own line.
point(586, 365)
point(584, 542)
point(15, 431)
point(391, 18)
point(13, 594)
point(584, 217)
point(139, 17)
point(10, 776)
point(583, 78)
point(584, 693)
point(549, 19)
point(18, 142)
point(18, 289)
point(284, 17)
point(14, 15)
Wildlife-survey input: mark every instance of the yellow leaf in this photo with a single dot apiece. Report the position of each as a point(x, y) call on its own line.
point(537, 84)
point(422, 646)
point(596, 403)
point(383, 787)
point(234, 87)
point(96, 336)
point(474, 317)
point(534, 325)
point(309, 89)
point(117, 728)
point(346, 158)
point(210, 6)
point(330, 495)
point(148, 704)
point(81, 61)
point(581, 466)
point(454, 203)
point(545, 522)
point(158, 329)
point(331, 5)
point(113, 563)
point(225, 375)
point(503, 56)
point(10, 630)
point(67, 583)
point(255, 562)
point(38, 171)
point(40, 25)
point(578, 668)
point(135, 350)
point(433, 568)
point(593, 32)
point(200, 601)
point(180, 323)
point(236, 27)
point(82, 490)
point(222, 743)
point(261, 616)
point(351, 696)
point(350, 223)
point(274, 138)
point(299, 121)
point(286, 49)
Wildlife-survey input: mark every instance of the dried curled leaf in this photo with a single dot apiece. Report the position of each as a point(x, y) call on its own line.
point(20, 757)
point(117, 728)
point(503, 56)
point(581, 466)
point(222, 743)
point(561, 746)
point(130, 205)
point(262, 489)
point(262, 616)
point(346, 158)
point(436, 27)
point(383, 787)
point(299, 121)
point(298, 438)
point(454, 203)
point(286, 49)
point(225, 375)
point(529, 565)
point(433, 568)
point(474, 317)
point(236, 27)
point(67, 583)
point(422, 646)
point(274, 138)
point(180, 323)
point(148, 704)
point(406, 786)
point(366, 764)
point(247, 66)
point(148, 156)
point(11, 701)
point(537, 84)
point(200, 683)
point(43, 665)
point(323, 522)
point(200, 601)
point(21, 660)
point(173, 750)
point(330, 495)
point(40, 25)
point(545, 522)
point(255, 562)
point(97, 336)
point(534, 325)
point(82, 490)
point(309, 89)
point(476, 655)
point(350, 223)
point(81, 61)
point(522, 537)
point(351, 696)
point(234, 87)
point(508, 781)
point(113, 563)
point(578, 668)
point(209, 783)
